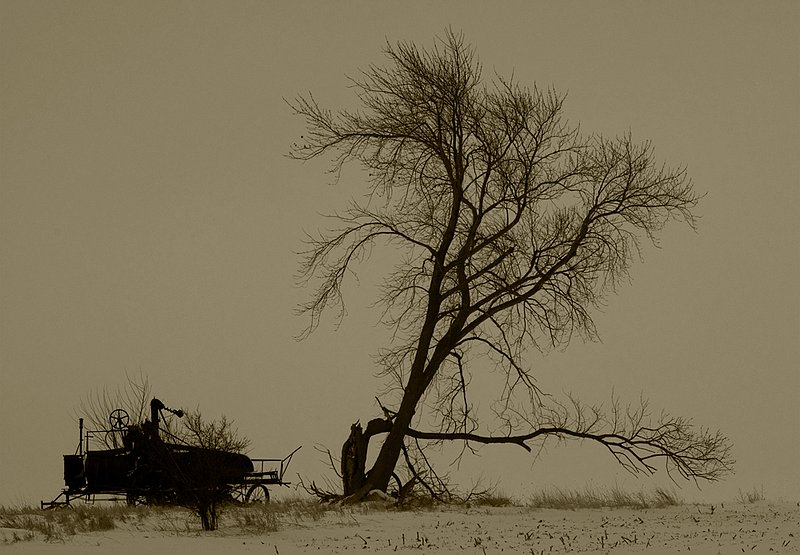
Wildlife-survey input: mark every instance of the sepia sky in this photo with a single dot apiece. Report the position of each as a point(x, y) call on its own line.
point(149, 220)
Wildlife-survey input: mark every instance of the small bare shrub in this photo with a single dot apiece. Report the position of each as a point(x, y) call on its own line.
point(753, 496)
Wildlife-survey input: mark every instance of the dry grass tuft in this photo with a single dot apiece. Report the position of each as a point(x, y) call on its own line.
point(56, 525)
point(753, 496)
point(592, 498)
point(254, 519)
point(493, 499)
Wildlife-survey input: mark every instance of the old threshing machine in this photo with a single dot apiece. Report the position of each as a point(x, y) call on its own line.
point(151, 466)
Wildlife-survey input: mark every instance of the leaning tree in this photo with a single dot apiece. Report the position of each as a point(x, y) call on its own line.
point(509, 227)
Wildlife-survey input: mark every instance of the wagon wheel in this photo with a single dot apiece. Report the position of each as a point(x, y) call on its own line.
point(257, 494)
point(119, 419)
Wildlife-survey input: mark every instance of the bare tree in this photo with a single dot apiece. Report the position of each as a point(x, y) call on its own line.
point(98, 407)
point(197, 465)
point(213, 462)
point(510, 227)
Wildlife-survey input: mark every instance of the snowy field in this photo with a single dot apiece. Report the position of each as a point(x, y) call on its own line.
point(760, 527)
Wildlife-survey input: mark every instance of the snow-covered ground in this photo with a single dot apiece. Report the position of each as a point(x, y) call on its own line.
point(762, 527)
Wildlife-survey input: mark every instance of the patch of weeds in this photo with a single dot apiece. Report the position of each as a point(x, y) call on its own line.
point(302, 508)
point(177, 521)
point(590, 498)
point(753, 496)
point(256, 518)
point(418, 502)
point(51, 531)
point(58, 523)
point(26, 536)
point(665, 498)
point(492, 499)
point(103, 522)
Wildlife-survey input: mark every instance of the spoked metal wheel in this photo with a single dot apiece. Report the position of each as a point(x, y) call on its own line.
point(257, 494)
point(119, 419)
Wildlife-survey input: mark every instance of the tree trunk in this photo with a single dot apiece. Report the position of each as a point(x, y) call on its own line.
point(354, 460)
point(381, 472)
point(355, 448)
point(205, 517)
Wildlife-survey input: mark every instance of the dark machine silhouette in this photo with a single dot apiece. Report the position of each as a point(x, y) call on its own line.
point(150, 469)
